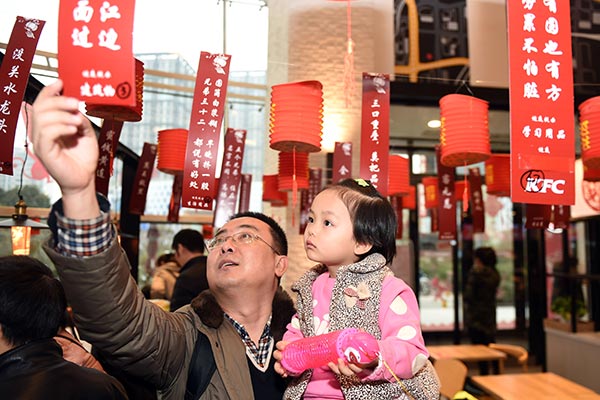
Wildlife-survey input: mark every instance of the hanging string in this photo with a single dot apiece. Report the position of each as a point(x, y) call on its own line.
point(465, 195)
point(349, 81)
point(294, 187)
point(26, 114)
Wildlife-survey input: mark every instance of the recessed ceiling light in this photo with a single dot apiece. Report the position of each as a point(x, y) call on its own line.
point(434, 123)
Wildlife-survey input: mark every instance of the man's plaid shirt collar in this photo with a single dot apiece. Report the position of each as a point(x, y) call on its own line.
point(260, 353)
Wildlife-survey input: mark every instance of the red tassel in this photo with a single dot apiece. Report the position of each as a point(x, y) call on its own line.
point(465, 197)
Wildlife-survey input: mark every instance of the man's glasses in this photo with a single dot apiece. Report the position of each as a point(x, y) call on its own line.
point(239, 238)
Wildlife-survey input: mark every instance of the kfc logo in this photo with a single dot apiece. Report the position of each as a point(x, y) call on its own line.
point(534, 181)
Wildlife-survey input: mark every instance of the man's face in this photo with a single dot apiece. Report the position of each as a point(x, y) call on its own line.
point(236, 265)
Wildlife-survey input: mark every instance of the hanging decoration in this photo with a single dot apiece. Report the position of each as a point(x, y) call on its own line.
point(431, 191)
point(293, 172)
point(399, 175)
point(271, 193)
point(410, 201)
point(171, 150)
point(464, 134)
point(589, 129)
point(497, 175)
point(591, 174)
point(461, 186)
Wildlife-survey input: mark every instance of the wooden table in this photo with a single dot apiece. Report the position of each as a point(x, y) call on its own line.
point(466, 352)
point(543, 385)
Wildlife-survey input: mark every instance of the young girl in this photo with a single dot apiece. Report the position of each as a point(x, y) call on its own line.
point(351, 234)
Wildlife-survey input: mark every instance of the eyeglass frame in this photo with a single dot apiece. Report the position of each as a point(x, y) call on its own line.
point(211, 244)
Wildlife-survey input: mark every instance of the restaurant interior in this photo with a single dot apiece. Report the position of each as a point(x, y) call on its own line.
point(428, 51)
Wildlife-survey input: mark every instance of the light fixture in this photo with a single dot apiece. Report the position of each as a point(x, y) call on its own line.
point(20, 228)
point(434, 123)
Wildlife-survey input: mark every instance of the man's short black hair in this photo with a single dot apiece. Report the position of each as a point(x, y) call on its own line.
point(191, 239)
point(279, 238)
point(486, 255)
point(32, 300)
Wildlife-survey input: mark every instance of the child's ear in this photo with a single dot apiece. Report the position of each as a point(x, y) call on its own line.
point(362, 248)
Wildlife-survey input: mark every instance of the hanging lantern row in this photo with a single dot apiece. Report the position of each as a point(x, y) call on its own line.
point(122, 113)
point(464, 133)
point(296, 117)
point(271, 192)
point(589, 129)
point(170, 150)
point(398, 176)
point(497, 175)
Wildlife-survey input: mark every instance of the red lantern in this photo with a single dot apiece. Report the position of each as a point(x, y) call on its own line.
point(497, 175)
point(589, 130)
point(122, 113)
point(398, 177)
point(464, 134)
point(296, 117)
point(591, 174)
point(271, 193)
point(293, 171)
point(410, 201)
point(431, 191)
point(170, 150)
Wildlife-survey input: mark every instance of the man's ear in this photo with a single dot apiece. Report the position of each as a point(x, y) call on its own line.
point(281, 266)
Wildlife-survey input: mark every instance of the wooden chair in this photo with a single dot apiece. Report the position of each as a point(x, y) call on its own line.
point(452, 374)
point(519, 353)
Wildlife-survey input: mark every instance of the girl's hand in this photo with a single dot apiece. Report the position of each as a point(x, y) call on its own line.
point(344, 368)
point(278, 355)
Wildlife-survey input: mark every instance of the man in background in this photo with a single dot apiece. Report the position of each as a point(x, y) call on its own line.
point(32, 309)
point(188, 246)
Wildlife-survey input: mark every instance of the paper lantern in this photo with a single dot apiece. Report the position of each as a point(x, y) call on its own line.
point(398, 176)
point(589, 130)
point(122, 113)
point(271, 193)
point(431, 191)
point(170, 150)
point(296, 117)
point(464, 134)
point(293, 171)
point(410, 201)
point(497, 175)
point(591, 174)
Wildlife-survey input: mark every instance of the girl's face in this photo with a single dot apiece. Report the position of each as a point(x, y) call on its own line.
point(329, 237)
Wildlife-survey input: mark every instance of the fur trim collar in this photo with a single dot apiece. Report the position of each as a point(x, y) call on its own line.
point(211, 314)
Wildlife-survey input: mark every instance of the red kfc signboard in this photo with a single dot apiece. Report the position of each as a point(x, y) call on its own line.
point(541, 102)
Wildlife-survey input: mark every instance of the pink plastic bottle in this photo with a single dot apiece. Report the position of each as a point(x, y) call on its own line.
point(356, 347)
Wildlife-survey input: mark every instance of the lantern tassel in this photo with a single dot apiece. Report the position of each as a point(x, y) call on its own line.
point(294, 188)
point(465, 197)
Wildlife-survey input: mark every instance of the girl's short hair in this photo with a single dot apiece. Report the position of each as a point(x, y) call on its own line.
point(373, 217)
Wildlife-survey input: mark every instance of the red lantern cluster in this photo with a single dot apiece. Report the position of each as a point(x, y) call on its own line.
point(170, 150)
point(589, 130)
point(296, 116)
point(399, 175)
point(122, 113)
point(464, 133)
point(497, 174)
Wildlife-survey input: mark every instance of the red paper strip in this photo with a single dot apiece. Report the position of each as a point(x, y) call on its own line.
point(476, 203)
point(396, 202)
point(447, 200)
point(14, 74)
point(199, 187)
point(137, 202)
point(342, 161)
point(315, 179)
point(541, 102)
point(537, 216)
point(375, 130)
point(175, 202)
point(245, 189)
point(231, 176)
point(561, 217)
point(95, 52)
point(107, 143)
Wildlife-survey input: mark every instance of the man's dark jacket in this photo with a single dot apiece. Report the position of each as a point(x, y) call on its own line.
point(190, 283)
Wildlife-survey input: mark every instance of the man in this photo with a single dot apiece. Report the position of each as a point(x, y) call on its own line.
point(188, 245)
point(32, 309)
point(235, 323)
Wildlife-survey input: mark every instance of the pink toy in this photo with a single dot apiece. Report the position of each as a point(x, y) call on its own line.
point(356, 347)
